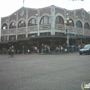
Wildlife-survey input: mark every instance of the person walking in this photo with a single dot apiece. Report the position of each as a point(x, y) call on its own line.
point(12, 51)
point(9, 52)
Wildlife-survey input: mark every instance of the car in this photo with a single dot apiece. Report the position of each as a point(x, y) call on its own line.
point(85, 50)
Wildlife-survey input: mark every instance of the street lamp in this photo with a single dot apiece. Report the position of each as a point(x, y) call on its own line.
point(67, 23)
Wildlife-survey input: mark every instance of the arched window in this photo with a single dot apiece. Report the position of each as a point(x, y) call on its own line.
point(59, 20)
point(45, 20)
point(22, 23)
point(32, 22)
point(12, 25)
point(4, 26)
point(79, 24)
point(72, 24)
point(86, 26)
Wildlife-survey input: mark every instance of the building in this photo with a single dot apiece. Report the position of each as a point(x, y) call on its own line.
point(30, 26)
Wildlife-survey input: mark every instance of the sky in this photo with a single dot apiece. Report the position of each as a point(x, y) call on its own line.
point(7, 7)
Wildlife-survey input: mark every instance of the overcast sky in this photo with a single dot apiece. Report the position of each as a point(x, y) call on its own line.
point(7, 7)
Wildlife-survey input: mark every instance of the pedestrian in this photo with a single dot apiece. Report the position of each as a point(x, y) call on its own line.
point(23, 50)
point(36, 49)
point(12, 51)
point(79, 47)
point(61, 49)
point(9, 52)
point(28, 50)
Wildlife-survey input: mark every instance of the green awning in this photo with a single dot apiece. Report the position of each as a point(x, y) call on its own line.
point(4, 42)
point(13, 41)
point(49, 36)
point(23, 39)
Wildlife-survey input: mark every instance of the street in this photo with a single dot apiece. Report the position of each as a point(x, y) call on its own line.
point(44, 72)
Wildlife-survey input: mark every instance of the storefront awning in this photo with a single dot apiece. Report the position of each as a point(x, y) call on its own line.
point(4, 42)
point(13, 41)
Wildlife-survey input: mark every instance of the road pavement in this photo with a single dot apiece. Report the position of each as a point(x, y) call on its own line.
point(44, 72)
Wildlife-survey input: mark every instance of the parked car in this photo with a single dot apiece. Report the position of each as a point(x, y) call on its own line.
point(85, 50)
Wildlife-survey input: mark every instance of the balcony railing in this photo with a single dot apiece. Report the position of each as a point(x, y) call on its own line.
point(87, 32)
point(32, 28)
point(12, 31)
point(45, 27)
point(60, 27)
point(72, 30)
point(4, 31)
point(21, 30)
point(79, 31)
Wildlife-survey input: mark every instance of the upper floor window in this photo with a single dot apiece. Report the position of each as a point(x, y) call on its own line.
point(32, 22)
point(86, 26)
point(22, 23)
point(79, 24)
point(45, 20)
point(12, 25)
point(4, 26)
point(72, 23)
point(59, 20)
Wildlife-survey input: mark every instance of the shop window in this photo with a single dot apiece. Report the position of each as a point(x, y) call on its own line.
point(12, 37)
point(32, 35)
point(3, 38)
point(21, 36)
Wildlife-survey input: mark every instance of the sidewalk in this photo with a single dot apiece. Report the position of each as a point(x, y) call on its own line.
point(60, 53)
point(57, 53)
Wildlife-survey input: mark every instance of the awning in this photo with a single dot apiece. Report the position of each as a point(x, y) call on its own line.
point(23, 39)
point(13, 41)
point(4, 42)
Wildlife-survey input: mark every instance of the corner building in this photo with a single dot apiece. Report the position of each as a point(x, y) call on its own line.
point(29, 26)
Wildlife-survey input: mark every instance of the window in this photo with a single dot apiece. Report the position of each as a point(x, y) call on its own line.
point(45, 20)
point(32, 22)
point(79, 24)
point(12, 25)
point(22, 23)
point(4, 26)
point(3, 38)
point(21, 36)
point(86, 26)
point(12, 37)
point(72, 24)
point(59, 20)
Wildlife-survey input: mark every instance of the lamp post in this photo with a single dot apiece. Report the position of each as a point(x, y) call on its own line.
point(67, 23)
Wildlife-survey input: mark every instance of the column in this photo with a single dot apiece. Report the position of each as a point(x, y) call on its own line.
point(0, 29)
point(16, 24)
point(8, 28)
point(38, 21)
point(75, 21)
point(26, 23)
point(52, 20)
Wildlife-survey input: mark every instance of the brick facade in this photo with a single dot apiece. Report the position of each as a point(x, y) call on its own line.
point(40, 26)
